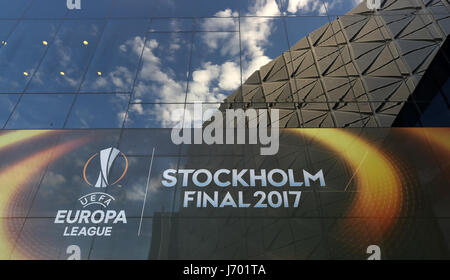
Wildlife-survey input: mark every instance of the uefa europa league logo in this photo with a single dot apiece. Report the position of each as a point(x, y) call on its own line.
point(107, 158)
point(373, 4)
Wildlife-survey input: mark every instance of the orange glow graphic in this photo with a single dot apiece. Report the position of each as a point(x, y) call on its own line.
point(16, 137)
point(16, 176)
point(439, 140)
point(382, 184)
point(438, 136)
point(379, 184)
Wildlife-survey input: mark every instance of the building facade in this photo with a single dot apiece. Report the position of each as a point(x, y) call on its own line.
point(87, 96)
point(362, 69)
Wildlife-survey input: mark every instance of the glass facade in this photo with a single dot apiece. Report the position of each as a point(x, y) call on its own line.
point(144, 58)
point(76, 81)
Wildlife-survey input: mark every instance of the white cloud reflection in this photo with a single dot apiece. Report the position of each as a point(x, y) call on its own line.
point(211, 82)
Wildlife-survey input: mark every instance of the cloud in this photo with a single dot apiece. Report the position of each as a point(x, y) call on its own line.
point(121, 78)
point(200, 86)
point(255, 33)
point(220, 38)
point(53, 179)
point(303, 5)
point(225, 23)
point(136, 192)
point(159, 82)
point(163, 86)
point(264, 8)
point(310, 6)
point(211, 81)
point(230, 76)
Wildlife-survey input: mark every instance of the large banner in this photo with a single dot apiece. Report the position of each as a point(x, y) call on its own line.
point(133, 194)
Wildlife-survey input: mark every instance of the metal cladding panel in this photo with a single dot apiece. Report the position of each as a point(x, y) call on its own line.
point(358, 70)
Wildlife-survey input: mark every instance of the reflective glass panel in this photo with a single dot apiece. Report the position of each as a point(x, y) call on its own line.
point(215, 67)
point(260, 8)
point(306, 8)
point(66, 61)
point(342, 7)
point(113, 68)
point(51, 9)
point(7, 103)
point(208, 8)
point(175, 8)
point(171, 24)
point(93, 9)
point(6, 28)
point(115, 249)
point(262, 40)
point(163, 74)
point(14, 8)
point(25, 48)
point(98, 111)
point(154, 115)
point(133, 8)
point(40, 111)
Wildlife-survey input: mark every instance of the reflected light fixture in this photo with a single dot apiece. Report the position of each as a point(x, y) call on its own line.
point(85, 43)
point(99, 73)
point(62, 73)
point(45, 43)
point(25, 73)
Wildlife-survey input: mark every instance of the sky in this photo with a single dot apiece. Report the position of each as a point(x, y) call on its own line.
point(88, 62)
